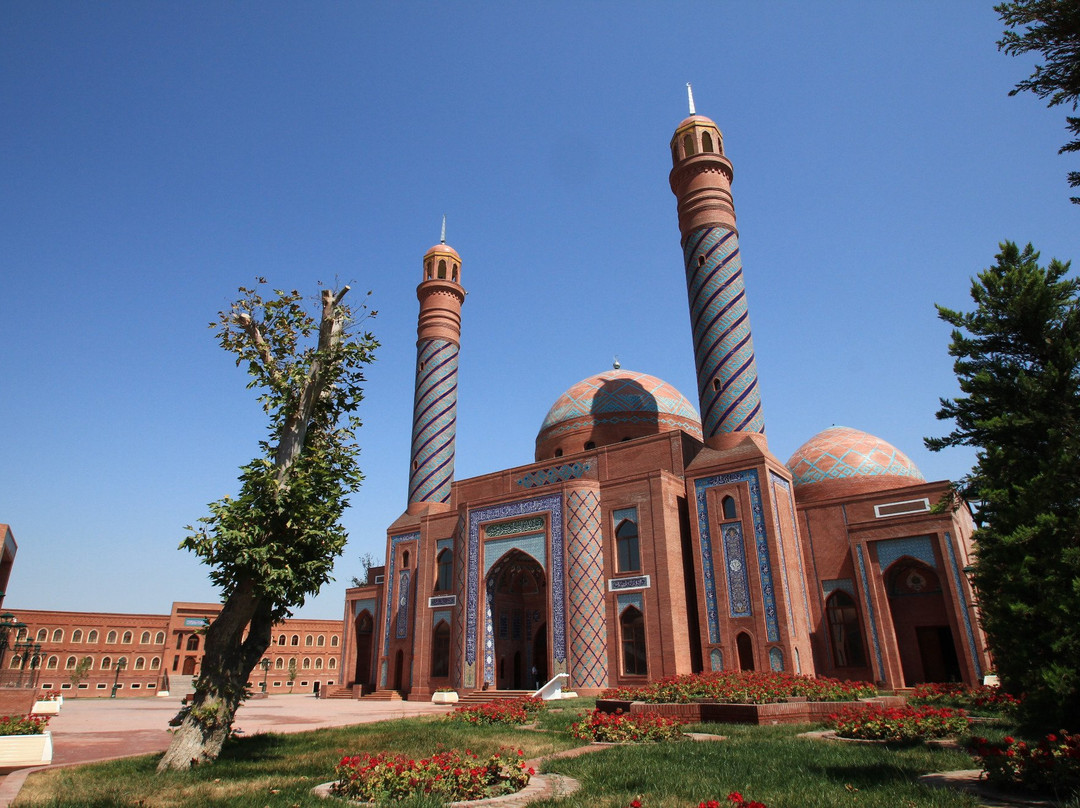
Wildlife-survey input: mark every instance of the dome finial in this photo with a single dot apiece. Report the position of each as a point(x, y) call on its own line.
point(690, 98)
point(615, 365)
point(442, 237)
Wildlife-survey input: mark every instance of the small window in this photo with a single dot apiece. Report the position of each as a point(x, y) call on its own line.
point(442, 268)
point(627, 546)
point(318, 663)
point(106, 663)
point(140, 663)
point(309, 641)
point(193, 643)
point(100, 685)
point(440, 650)
point(591, 444)
point(632, 629)
point(727, 505)
point(53, 663)
point(76, 635)
point(159, 638)
point(306, 664)
point(405, 560)
point(295, 639)
point(88, 662)
point(42, 635)
point(454, 276)
point(427, 267)
point(333, 641)
point(444, 580)
point(333, 663)
point(706, 142)
point(145, 638)
point(71, 663)
point(58, 635)
point(688, 144)
point(558, 452)
point(110, 638)
point(281, 640)
point(320, 641)
point(128, 637)
point(92, 636)
point(279, 663)
point(155, 663)
point(135, 685)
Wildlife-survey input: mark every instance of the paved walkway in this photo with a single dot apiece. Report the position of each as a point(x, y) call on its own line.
point(90, 730)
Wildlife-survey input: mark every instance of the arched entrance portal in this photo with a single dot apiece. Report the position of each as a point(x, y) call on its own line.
point(365, 632)
point(921, 623)
point(517, 588)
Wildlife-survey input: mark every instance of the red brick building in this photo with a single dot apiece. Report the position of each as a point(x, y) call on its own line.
point(143, 654)
point(647, 540)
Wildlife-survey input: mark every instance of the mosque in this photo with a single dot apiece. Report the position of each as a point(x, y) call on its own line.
point(648, 540)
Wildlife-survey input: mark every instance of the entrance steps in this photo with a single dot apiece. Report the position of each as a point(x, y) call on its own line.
point(384, 695)
point(341, 692)
point(483, 696)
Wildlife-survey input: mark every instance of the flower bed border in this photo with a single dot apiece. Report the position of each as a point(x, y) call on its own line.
point(778, 712)
point(540, 786)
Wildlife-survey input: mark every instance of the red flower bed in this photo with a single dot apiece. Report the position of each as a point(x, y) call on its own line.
point(506, 711)
point(954, 694)
point(23, 724)
point(742, 687)
point(620, 727)
point(1051, 766)
point(899, 724)
point(451, 775)
point(735, 798)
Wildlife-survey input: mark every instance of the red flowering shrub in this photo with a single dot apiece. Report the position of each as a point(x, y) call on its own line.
point(451, 775)
point(620, 727)
point(735, 798)
point(742, 687)
point(906, 724)
point(1051, 766)
point(505, 711)
point(23, 724)
point(982, 698)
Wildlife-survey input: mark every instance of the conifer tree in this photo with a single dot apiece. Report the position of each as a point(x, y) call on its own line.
point(1017, 360)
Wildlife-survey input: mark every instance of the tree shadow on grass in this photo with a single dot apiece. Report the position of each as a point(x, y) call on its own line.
point(866, 776)
point(261, 747)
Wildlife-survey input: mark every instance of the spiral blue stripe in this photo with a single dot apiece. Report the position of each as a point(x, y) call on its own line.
point(435, 414)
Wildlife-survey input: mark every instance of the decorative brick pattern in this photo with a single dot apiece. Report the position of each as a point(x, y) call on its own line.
point(434, 420)
point(723, 348)
point(555, 474)
point(613, 396)
point(965, 612)
point(782, 484)
point(585, 570)
point(840, 453)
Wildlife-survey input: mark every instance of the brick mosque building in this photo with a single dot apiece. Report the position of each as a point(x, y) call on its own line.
point(646, 540)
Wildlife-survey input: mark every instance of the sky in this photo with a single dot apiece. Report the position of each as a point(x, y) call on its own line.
point(156, 156)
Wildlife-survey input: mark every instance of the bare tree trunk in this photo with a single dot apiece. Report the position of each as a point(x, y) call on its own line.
point(228, 661)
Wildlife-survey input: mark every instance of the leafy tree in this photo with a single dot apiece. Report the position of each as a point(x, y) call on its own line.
point(367, 561)
point(1052, 29)
point(292, 673)
point(1017, 360)
point(78, 673)
point(275, 543)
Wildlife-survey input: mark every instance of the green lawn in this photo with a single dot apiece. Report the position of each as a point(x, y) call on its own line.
point(769, 764)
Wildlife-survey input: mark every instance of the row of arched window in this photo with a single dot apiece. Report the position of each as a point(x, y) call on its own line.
point(280, 663)
point(441, 272)
point(92, 636)
point(106, 663)
point(691, 146)
point(316, 640)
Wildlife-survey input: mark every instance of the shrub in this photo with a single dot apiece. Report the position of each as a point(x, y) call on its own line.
point(1051, 766)
point(620, 727)
point(982, 698)
point(23, 724)
point(506, 711)
point(742, 687)
point(450, 775)
point(906, 724)
point(735, 798)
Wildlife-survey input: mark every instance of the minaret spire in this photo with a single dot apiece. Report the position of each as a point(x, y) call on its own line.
point(690, 98)
point(442, 237)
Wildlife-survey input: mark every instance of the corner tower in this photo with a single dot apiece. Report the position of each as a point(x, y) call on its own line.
point(438, 341)
point(723, 349)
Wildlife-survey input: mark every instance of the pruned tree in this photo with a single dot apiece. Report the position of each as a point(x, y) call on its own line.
point(1051, 28)
point(274, 544)
point(367, 561)
point(1017, 360)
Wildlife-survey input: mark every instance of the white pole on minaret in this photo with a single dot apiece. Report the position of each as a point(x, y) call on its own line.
point(442, 238)
point(690, 98)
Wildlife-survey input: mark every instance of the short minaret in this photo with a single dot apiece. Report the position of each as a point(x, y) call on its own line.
point(438, 332)
point(723, 349)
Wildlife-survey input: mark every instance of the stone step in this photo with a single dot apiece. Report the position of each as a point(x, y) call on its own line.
point(384, 695)
point(483, 696)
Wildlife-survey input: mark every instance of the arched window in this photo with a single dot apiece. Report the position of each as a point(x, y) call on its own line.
point(442, 268)
point(307, 663)
point(444, 581)
point(558, 452)
point(334, 641)
point(453, 276)
point(70, 663)
point(440, 649)
point(688, 144)
point(844, 630)
point(295, 639)
point(159, 638)
point(128, 637)
point(727, 505)
point(16, 661)
point(76, 635)
point(92, 636)
point(281, 640)
point(745, 648)
point(145, 638)
point(405, 560)
point(140, 663)
point(52, 663)
point(428, 266)
point(632, 631)
point(333, 664)
point(193, 643)
point(626, 544)
point(58, 635)
point(106, 663)
point(706, 142)
point(155, 663)
point(320, 641)
point(42, 635)
point(23, 633)
point(590, 444)
point(318, 663)
point(309, 641)
point(110, 638)
point(279, 663)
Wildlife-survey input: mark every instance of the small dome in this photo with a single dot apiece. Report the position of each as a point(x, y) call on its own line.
point(611, 407)
point(840, 460)
point(443, 249)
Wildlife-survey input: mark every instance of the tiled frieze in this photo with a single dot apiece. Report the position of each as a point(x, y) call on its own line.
point(555, 474)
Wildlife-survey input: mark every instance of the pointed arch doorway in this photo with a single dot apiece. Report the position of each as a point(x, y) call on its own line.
point(517, 594)
point(364, 626)
point(920, 619)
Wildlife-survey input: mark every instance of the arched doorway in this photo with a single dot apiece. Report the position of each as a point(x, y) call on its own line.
point(744, 646)
point(517, 590)
point(365, 632)
point(399, 669)
point(924, 638)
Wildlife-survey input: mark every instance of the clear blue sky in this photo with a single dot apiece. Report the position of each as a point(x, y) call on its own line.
point(155, 156)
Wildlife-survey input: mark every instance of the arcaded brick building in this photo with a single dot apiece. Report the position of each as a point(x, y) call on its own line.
point(159, 652)
point(646, 540)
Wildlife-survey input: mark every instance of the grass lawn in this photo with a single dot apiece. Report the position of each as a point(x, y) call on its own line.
point(768, 764)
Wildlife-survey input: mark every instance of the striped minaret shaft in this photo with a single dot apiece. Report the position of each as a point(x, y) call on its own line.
point(723, 348)
point(438, 332)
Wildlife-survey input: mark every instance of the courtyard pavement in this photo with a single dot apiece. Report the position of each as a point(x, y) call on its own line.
point(90, 730)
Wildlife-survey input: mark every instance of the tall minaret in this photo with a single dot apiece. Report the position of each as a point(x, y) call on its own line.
point(723, 350)
point(438, 340)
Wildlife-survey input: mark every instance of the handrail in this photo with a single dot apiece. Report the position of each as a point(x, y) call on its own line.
point(553, 689)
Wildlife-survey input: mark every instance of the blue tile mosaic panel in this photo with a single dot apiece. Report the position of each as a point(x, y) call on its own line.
point(530, 545)
point(870, 611)
point(555, 474)
point(843, 584)
point(735, 564)
point(716, 659)
point(391, 562)
point(632, 599)
point(965, 611)
point(920, 547)
point(585, 570)
point(776, 659)
point(442, 614)
point(367, 603)
point(403, 604)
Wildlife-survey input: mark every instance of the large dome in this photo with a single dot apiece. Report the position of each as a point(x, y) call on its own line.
point(611, 407)
point(840, 460)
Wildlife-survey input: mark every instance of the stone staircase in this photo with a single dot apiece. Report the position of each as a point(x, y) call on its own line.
point(384, 694)
point(482, 696)
point(341, 692)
